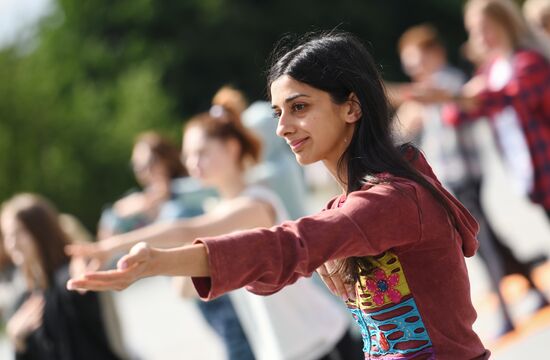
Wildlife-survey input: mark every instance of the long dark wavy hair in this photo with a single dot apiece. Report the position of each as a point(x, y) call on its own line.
point(339, 64)
point(41, 219)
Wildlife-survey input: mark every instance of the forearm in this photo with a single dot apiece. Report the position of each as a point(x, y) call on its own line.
point(190, 260)
point(163, 235)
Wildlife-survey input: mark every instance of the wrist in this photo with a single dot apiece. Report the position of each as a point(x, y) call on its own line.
point(17, 338)
point(189, 260)
point(155, 262)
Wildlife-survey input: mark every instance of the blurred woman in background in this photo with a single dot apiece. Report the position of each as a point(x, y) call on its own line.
point(9, 284)
point(512, 89)
point(49, 322)
point(537, 13)
point(156, 165)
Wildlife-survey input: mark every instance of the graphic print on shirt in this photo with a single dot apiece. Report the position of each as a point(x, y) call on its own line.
point(384, 308)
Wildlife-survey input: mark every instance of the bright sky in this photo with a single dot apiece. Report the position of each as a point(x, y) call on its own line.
point(18, 16)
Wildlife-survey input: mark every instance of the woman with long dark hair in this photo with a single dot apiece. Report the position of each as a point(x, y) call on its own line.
point(395, 236)
point(218, 150)
point(49, 322)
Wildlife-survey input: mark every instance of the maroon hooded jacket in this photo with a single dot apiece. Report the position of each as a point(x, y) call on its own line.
point(413, 293)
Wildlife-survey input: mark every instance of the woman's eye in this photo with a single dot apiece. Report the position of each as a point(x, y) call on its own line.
point(276, 114)
point(298, 107)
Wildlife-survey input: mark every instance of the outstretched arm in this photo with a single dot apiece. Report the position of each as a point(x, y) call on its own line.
point(266, 260)
point(144, 261)
point(242, 214)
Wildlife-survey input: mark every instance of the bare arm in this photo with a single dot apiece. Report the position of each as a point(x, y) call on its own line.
point(242, 213)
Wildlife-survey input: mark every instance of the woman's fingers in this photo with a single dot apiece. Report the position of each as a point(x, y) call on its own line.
point(335, 282)
point(130, 268)
point(138, 254)
point(96, 285)
point(35, 316)
point(323, 272)
point(108, 275)
point(118, 279)
point(29, 316)
point(103, 280)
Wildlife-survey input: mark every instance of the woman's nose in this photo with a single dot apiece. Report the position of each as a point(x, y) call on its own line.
point(284, 126)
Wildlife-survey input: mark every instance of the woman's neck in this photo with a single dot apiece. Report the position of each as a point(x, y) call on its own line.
point(232, 186)
point(160, 188)
point(340, 177)
point(505, 48)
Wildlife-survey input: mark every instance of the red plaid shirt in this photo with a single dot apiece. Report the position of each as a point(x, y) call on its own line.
point(528, 92)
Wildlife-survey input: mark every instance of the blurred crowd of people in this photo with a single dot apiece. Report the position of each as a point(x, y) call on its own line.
point(233, 173)
point(438, 109)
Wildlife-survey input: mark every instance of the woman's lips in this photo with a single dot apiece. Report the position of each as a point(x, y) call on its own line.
point(296, 145)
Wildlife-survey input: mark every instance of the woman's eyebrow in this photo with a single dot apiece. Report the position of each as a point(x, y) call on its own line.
point(290, 98)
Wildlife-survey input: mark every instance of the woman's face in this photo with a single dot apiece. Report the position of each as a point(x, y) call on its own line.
point(484, 32)
point(419, 63)
point(208, 159)
point(18, 242)
point(146, 169)
point(314, 126)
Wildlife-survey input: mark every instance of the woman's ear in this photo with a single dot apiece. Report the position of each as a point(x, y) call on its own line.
point(354, 109)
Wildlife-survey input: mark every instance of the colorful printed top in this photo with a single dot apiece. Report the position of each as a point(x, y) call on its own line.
point(527, 92)
point(413, 297)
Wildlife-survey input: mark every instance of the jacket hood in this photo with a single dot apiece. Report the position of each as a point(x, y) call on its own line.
point(465, 224)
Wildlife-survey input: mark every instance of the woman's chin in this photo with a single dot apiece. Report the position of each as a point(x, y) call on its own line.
point(304, 160)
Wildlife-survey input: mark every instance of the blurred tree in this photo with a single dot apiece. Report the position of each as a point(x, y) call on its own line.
point(69, 112)
point(101, 71)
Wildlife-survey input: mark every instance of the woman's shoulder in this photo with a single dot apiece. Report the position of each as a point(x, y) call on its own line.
point(374, 187)
point(387, 192)
point(257, 190)
point(389, 184)
point(528, 58)
point(264, 194)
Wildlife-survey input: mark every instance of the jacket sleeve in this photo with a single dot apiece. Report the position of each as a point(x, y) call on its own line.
point(529, 86)
point(265, 260)
point(529, 83)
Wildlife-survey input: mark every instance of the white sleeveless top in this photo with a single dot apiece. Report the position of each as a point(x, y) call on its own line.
point(300, 322)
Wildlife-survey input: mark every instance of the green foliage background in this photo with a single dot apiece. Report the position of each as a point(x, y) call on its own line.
point(99, 72)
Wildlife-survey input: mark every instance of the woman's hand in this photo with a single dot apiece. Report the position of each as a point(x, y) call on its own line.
point(335, 282)
point(27, 319)
point(474, 87)
point(136, 265)
point(88, 257)
point(468, 99)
